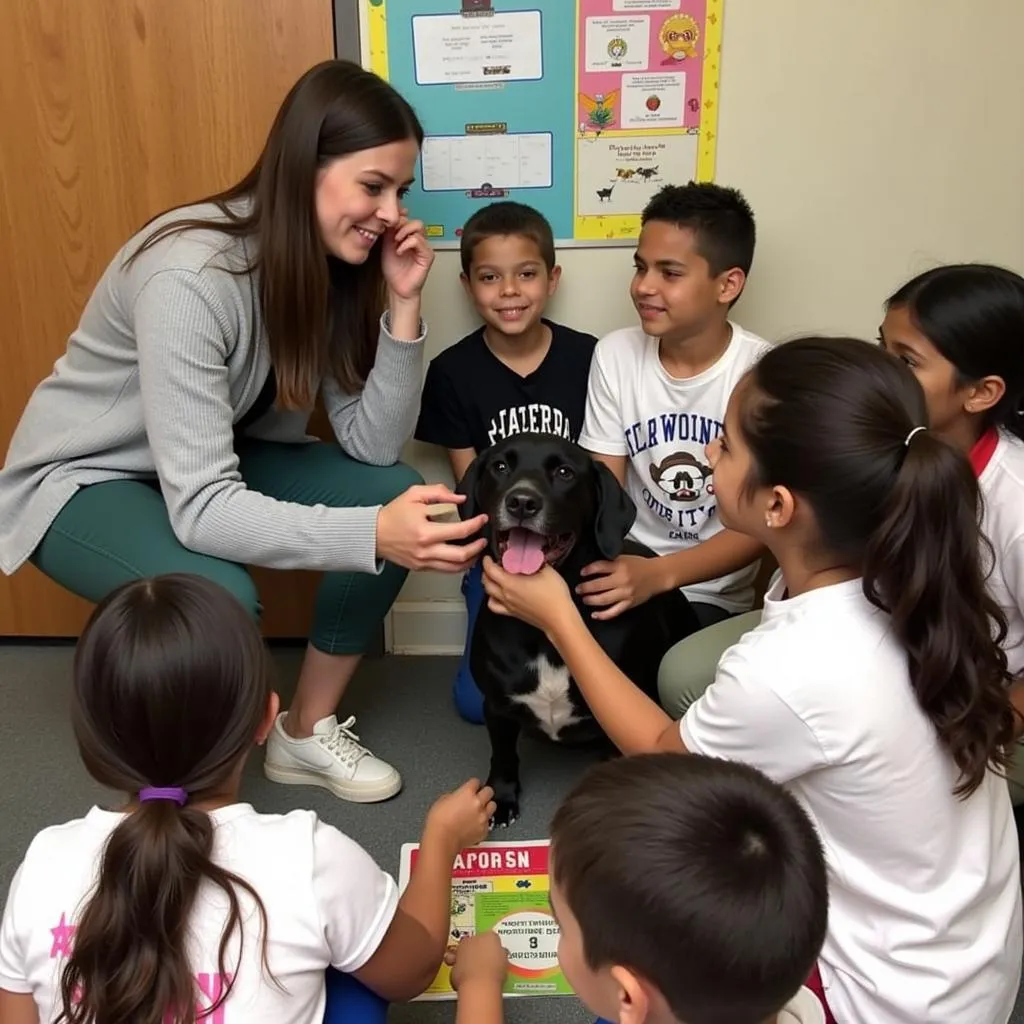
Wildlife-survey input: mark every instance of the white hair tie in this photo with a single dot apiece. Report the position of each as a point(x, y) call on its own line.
point(910, 436)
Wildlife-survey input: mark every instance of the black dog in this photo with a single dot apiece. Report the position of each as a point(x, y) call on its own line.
point(548, 501)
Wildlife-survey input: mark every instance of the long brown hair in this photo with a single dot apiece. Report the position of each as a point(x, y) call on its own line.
point(171, 683)
point(319, 314)
point(830, 419)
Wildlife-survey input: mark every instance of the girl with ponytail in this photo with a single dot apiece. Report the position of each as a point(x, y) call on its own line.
point(185, 904)
point(875, 686)
point(960, 330)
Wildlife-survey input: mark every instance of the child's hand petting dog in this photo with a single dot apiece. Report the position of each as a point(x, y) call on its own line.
point(541, 599)
point(619, 585)
point(462, 818)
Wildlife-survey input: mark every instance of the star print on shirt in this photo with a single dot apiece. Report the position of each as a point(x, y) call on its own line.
point(62, 937)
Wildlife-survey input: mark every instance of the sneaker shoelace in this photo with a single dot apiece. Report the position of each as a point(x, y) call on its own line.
point(344, 743)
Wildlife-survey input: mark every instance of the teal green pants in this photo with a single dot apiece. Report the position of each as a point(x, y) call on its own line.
point(688, 669)
point(113, 532)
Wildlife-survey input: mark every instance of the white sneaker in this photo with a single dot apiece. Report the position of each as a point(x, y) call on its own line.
point(332, 758)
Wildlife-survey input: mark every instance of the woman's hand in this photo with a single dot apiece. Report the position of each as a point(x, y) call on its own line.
point(541, 600)
point(409, 537)
point(405, 258)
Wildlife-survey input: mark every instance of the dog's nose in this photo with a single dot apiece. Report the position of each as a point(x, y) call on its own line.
point(522, 504)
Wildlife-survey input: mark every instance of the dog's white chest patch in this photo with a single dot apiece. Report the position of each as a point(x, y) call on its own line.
point(550, 701)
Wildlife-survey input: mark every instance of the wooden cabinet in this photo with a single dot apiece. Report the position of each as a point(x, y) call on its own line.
point(110, 111)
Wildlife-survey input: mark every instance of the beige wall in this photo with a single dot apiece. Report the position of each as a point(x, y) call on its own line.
point(873, 138)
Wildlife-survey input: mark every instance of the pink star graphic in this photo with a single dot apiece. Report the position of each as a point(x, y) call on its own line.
point(62, 936)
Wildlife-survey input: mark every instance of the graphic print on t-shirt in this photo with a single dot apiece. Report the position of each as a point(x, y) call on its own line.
point(534, 418)
point(667, 454)
point(682, 477)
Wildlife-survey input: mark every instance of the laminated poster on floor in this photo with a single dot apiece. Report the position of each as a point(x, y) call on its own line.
point(503, 887)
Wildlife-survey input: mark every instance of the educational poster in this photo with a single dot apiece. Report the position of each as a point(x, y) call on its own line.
point(583, 117)
point(503, 887)
point(647, 79)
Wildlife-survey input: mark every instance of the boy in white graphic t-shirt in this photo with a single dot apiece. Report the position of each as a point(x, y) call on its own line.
point(657, 397)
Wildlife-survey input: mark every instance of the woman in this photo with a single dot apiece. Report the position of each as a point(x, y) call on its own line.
point(170, 437)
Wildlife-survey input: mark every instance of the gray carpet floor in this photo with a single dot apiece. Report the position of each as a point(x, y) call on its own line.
point(405, 715)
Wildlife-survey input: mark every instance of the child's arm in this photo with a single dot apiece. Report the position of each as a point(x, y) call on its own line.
point(479, 965)
point(460, 459)
point(17, 1006)
point(1017, 700)
point(411, 951)
point(719, 555)
point(634, 722)
point(1012, 568)
point(20, 1008)
point(444, 420)
point(601, 435)
point(632, 579)
point(616, 463)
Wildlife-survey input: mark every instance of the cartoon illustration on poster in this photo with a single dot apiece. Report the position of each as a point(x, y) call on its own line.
point(642, 86)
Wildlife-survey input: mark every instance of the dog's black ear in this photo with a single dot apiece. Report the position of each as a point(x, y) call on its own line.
point(615, 514)
point(468, 486)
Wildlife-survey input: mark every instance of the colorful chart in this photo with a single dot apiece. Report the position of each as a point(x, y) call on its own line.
point(582, 117)
point(504, 887)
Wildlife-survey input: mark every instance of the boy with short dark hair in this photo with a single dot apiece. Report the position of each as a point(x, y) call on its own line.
point(518, 372)
point(657, 398)
point(688, 890)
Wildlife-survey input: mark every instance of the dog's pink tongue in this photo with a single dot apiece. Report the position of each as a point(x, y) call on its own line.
point(525, 552)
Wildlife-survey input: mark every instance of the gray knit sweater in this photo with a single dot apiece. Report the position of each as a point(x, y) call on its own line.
point(169, 354)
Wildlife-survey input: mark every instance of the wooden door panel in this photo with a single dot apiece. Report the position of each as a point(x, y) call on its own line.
point(110, 111)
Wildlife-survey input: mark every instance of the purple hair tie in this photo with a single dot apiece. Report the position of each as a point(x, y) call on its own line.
point(175, 793)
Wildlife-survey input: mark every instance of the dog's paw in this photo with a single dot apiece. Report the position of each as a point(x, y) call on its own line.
point(505, 814)
point(506, 799)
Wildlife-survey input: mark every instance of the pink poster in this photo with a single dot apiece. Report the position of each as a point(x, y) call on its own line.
point(640, 65)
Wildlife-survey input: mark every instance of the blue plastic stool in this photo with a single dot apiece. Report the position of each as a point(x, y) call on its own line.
point(469, 701)
point(350, 1002)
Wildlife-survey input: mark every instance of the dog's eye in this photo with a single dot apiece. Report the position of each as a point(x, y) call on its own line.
point(500, 466)
point(565, 473)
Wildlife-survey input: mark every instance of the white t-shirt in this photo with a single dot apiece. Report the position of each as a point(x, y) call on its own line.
point(924, 888)
point(327, 903)
point(663, 424)
point(1002, 487)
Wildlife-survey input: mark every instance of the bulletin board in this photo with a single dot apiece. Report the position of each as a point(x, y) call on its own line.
point(582, 109)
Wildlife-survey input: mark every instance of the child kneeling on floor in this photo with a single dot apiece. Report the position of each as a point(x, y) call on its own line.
point(184, 901)
point(688, 890)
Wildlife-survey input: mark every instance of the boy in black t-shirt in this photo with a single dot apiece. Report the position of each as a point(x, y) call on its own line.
point(518, 373)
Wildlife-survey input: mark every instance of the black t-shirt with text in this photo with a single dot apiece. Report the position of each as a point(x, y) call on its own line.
point(471, 399)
